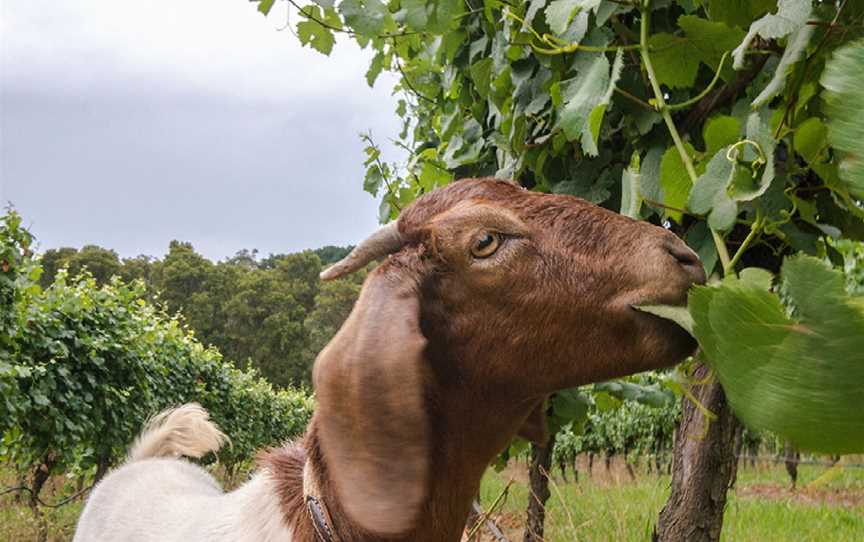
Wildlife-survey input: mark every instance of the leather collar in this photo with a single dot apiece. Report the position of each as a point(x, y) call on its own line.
point(315, 506)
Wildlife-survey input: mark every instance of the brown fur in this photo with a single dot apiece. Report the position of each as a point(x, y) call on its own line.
point(285, 465)
point(550, 310)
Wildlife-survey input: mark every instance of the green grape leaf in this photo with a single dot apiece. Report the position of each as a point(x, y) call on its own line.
point(679, 315)
point(481, 75)
point(605, 10)
point(432, 176)
point(738, 12)
point(760, 157)
point(631, 201)
point(675, 181)
point(720, 131)
point(709, 40)
point(757, 277)
point(423, 15)
point(559, 13)
point(591, 5)
point(675, 63)
point(796, 369)
point(605, 401)
point(652, 395)
point(264, 6)
point(533, 7)
point(375, 68)
point(795, 47)
point(314, 34)
point(580, 95)
point(791, 16)
point(586, 187)
point(811, 139)
point(649, 181)
point(710, 193)
point(413, 14)
point(591, 133)
point(699, 238)
point(843, 79)
point(570, 405)
point(367, 18)
point(577, 29)
point(372, 181)
point(465, 146)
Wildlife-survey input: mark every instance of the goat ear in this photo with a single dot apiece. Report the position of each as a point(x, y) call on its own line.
point(534, 428)
point(373, 427)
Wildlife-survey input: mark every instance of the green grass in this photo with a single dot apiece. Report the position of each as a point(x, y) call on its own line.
point(606, 507)
point(761, 509)
point(18, 524)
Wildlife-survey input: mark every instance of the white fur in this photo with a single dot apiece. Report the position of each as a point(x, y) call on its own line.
point(153, 498)
point(182, 431)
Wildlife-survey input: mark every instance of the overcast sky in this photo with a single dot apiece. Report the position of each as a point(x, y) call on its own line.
point(128, 124)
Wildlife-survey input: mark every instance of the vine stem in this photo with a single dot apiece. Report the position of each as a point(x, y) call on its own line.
point(722, 253)
point(564, 49)
point(695, 99)
point(634, 99)
point(645, 23)
point(754, 230)
point(560, 47)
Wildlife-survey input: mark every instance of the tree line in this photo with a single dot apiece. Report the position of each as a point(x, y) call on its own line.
point(269, 313)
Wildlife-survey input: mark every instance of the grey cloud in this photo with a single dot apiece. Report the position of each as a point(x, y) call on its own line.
point(128, 154)
point(132, 172)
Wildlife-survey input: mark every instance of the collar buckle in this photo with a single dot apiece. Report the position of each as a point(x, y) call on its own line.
point(317, 510)
point(319, 521)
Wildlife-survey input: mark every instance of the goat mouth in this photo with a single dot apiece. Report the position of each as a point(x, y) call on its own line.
point(636, 308)
point(679, 341)
point(669, 295)
point(678, 299)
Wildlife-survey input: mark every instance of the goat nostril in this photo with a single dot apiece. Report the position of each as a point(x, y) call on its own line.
point(688, 259)
point(682, 253)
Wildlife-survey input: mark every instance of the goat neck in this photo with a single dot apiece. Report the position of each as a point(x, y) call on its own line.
point(467, 437)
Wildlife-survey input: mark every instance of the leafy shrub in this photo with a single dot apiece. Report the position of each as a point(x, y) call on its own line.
point(82, 367)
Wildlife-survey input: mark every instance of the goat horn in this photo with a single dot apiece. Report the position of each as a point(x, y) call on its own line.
point(386, 240)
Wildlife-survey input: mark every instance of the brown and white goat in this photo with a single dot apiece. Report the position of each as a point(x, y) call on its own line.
point(492, 298)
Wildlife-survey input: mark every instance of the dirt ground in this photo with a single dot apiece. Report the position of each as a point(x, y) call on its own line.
point(831, 497)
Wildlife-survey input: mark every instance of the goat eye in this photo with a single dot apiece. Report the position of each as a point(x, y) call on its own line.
point(485, 245)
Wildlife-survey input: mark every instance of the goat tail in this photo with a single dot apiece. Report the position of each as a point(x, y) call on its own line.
point(182, 431)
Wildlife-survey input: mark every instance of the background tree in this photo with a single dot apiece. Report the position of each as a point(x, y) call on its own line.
point(265, 318)
point(101, 263)
point(52, 261)
point(182, 274)
point(137, 268)
point(331, 254)
point(332, 306)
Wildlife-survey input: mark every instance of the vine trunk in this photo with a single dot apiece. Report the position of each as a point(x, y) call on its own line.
point(538, 478)
point(703, 468)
